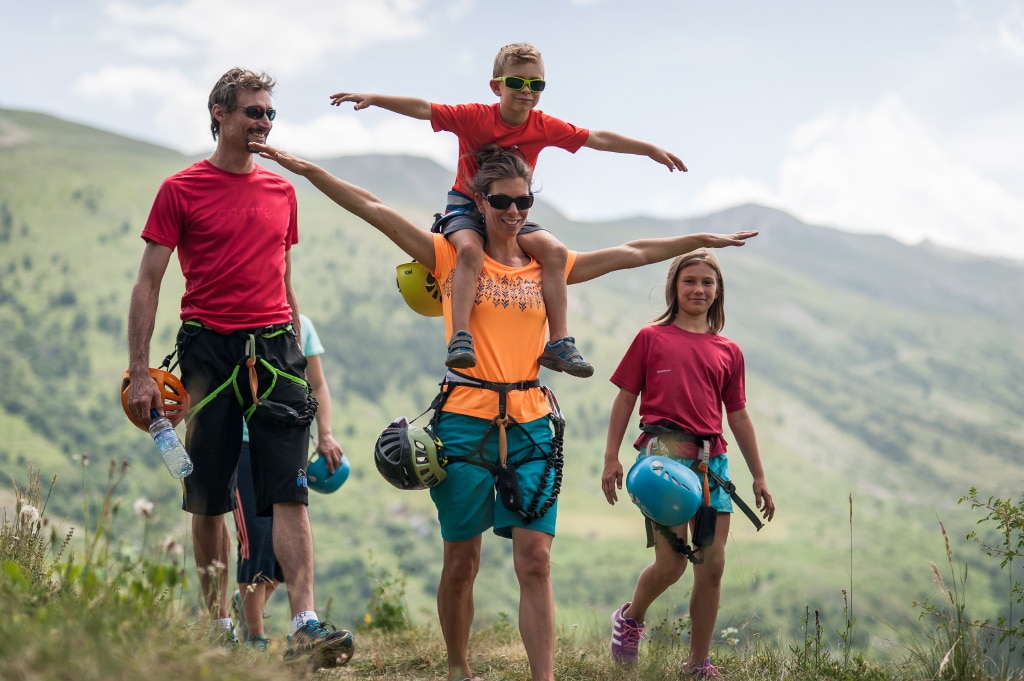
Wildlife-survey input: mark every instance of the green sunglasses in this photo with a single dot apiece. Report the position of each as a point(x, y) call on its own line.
point(517, 83)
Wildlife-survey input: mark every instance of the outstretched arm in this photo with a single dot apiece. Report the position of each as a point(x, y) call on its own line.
point(418, 243)
point(412, 107)
point(592, 264)
point(602, 140)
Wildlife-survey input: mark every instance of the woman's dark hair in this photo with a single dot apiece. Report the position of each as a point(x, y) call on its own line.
point(496, 164)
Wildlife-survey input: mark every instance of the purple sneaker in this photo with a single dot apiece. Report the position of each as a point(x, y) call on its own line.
point(705, 671)
point(626, 635)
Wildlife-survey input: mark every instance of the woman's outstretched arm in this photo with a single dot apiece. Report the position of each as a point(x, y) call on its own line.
point(418, 243)
point(592, 264)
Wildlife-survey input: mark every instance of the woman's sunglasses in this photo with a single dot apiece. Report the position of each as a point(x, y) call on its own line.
point(517, 83)
point(503, 201)
point(257, 112)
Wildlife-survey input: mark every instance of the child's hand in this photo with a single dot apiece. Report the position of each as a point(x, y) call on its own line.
point(361, 100)
point(671, 161)
point(611, 480)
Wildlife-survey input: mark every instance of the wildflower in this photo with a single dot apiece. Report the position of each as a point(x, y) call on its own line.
point(29, 515)
point(143, 507)
point(171, 546)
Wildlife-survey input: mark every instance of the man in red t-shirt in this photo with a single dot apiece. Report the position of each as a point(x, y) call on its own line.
point(512, 123)
point(233, 224)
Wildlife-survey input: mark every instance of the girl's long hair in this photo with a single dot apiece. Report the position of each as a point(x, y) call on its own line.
point(716, 313)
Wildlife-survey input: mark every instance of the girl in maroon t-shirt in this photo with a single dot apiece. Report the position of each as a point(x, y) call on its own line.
point(684, 373)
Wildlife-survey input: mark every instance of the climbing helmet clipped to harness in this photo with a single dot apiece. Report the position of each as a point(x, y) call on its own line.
point(175, 398)
point(419, 288)
point(408, 456)
point(320, 479)
point(665, 489)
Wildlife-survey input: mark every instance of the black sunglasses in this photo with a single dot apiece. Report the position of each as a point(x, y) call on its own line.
point(257, 112)
point(503, 201)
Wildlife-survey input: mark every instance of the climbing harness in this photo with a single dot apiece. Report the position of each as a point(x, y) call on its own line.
point(706, 518)
point(506, 483)
point(268, 409)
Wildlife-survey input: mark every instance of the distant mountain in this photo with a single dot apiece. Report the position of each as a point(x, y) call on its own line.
point(884, 378)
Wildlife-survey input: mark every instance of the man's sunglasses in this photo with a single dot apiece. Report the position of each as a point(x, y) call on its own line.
point(258, 112)
point(517, 83)
point(503, 201)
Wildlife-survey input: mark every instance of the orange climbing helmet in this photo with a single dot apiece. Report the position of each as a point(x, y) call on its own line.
point(175, 397)
point(419, 288)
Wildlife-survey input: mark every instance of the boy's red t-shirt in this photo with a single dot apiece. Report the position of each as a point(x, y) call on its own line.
point(477, 125)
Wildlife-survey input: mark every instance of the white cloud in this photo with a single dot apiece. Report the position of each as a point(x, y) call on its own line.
point(171, 92)
point(880, 170)
point(1010, 35)
point(719, 194)
point(290, 36)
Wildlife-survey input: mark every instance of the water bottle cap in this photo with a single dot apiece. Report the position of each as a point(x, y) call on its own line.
point(153, 413)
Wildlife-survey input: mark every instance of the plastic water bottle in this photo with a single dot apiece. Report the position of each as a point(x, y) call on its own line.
point(169, 444)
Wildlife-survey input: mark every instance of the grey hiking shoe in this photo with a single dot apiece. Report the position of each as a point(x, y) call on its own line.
point(460, 351)
point(321, 643)
point(563, 355)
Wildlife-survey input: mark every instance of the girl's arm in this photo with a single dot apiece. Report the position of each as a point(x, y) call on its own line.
point(742, 428)
point(592, 264)
point(418, 243)
point(618, 420)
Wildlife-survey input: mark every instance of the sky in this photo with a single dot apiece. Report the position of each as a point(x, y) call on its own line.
point(896, 117)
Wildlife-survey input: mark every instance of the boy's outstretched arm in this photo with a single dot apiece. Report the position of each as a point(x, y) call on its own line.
point(413, 107)
point(602, 140)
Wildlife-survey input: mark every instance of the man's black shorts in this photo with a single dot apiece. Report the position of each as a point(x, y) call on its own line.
point(214, 371)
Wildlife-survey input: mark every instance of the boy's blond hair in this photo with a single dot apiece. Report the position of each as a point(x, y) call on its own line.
point(516, 53)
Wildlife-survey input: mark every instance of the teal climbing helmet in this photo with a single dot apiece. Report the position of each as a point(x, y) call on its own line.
point(666, 490)
point(323, 481)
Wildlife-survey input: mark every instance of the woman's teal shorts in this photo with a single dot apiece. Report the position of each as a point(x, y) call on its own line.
point(466, 502)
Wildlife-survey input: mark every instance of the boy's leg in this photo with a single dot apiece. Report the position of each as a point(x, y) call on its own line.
point(455, 602)
point(561, 353)
point(469, 260)
point(469, 250)
point(542, 246)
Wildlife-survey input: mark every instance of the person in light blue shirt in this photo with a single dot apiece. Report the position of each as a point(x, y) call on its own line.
point(258, 573)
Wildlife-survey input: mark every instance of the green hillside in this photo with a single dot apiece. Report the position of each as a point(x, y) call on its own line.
point(877, 372)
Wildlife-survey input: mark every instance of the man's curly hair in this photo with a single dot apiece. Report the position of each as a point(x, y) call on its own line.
point(225, 92)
